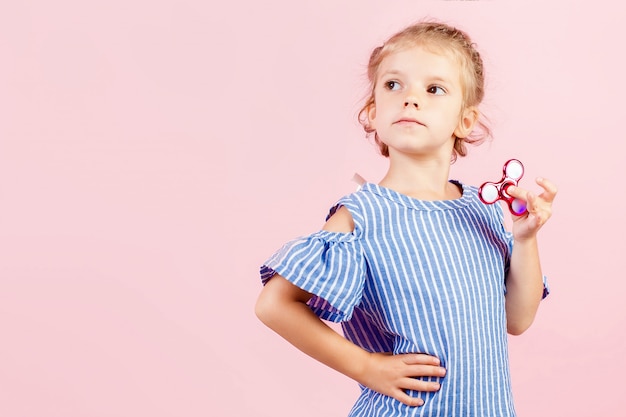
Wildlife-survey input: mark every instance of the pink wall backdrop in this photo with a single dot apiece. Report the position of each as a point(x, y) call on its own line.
point(154, 153)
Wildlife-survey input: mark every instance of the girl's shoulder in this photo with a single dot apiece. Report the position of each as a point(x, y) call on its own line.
point(339, 221)
point(346, 214)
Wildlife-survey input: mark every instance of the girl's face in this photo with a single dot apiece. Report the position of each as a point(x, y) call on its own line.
point(418, 103)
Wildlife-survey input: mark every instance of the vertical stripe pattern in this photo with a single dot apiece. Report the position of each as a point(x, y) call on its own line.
point(415, 276)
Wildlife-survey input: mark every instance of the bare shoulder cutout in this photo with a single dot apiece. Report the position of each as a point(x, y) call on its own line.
point(341, 221)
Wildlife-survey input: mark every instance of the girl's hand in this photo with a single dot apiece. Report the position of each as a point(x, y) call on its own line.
point(539, 209)
point(392, 375)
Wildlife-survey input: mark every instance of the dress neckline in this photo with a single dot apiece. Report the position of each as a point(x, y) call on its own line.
point(403, 199)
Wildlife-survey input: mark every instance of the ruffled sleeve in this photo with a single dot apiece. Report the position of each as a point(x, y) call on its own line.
point(329, 265)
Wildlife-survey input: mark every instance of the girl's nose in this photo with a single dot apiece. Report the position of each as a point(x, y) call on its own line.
point(411, 102)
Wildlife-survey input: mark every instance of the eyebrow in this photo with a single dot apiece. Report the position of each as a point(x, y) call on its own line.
point(439, 79)
point(391, 72)
point(433, 78)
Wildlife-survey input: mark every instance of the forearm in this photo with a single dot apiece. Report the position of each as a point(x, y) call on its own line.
point(282, 307)
point(524, 286)
point(524, 283)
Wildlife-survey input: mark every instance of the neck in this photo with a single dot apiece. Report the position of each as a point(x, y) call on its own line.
point(421, 178)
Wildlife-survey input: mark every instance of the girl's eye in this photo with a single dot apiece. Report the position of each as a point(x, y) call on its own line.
point(392, 85)
point(436, 90)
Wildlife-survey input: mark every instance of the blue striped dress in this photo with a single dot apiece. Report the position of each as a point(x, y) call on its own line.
point(415, 276)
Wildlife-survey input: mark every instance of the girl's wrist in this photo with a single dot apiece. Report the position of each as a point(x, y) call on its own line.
point(523, 240)
point(361, 367)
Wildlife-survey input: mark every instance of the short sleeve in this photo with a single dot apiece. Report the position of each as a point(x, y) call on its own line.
point(329, 265)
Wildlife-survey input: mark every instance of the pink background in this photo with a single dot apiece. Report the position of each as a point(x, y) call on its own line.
point(154, 153)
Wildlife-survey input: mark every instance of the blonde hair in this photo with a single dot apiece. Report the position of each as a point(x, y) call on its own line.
point(444, 38)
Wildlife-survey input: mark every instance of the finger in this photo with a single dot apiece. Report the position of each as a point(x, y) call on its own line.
point(549, 187)
point(420, 359)
point(548, 195)
point(420, 385)
point(406, 399)
point(532, 204)
point(540, 209)
point(426, 370)
point(517, 192)
point(534, 209)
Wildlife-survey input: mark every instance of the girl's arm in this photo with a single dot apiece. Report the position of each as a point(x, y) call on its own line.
point(524, 283)
point(282, 307)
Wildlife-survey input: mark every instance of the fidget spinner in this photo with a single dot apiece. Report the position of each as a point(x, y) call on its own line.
point(490, 192)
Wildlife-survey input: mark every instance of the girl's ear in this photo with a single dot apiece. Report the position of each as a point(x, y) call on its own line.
point(371, 114)
point(468, 119)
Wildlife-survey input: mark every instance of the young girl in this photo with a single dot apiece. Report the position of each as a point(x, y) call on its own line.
point(423, 276)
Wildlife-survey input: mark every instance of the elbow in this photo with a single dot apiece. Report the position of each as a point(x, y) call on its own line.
point(268, 307)
point(517, 328)
point(277, 301)
point(515, 331)
point(263, 310)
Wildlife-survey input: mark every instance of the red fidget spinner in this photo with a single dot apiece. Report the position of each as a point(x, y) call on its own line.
point(490, 192)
